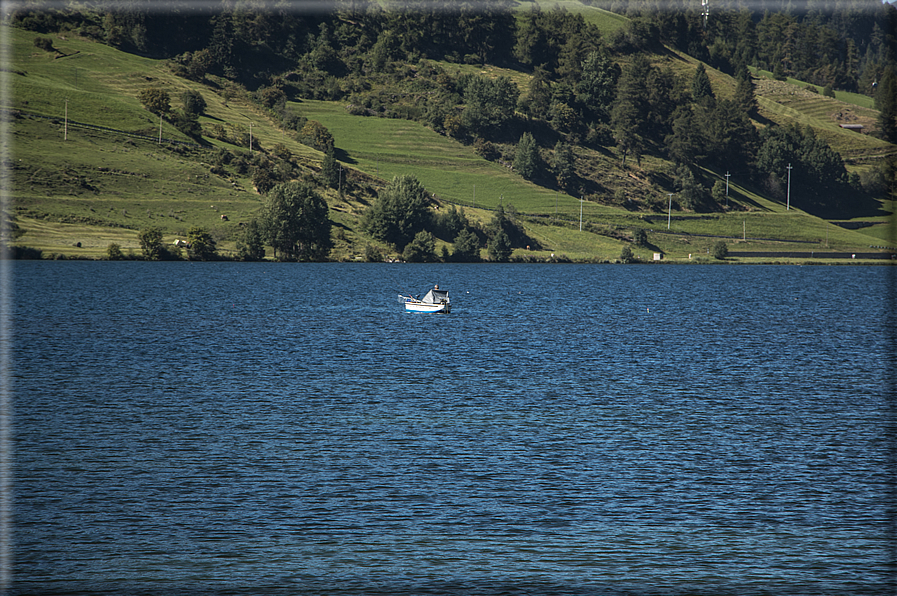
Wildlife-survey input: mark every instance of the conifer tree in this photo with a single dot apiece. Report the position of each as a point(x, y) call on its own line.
point(886, 100)
point(700, 85)
point(330, 170)
point(744, 92)
point(526, 159)
point(499, 247)
point(631, 111)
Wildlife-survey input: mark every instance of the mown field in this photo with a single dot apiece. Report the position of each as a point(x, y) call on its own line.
point(94, 187)
point(606, 21)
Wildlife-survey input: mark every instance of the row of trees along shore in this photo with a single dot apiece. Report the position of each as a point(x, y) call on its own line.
point(295, 223)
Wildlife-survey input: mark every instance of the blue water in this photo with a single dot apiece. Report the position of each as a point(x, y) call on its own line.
point(228, 428)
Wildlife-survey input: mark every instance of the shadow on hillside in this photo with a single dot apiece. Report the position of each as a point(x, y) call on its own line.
point(851, 205)
point(343, 156)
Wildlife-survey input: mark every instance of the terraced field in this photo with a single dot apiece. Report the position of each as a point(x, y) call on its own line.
point(784, 102)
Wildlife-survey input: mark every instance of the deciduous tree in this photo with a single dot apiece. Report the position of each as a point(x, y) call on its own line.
point(314, 134)
point(296, 222)
point(151, 244)
point(400, 212)
point(194, 103)
point(422, 249)
point(489, 102)
point(251, 244)
point(155, 100)
point(720, 250)
point(202, 245)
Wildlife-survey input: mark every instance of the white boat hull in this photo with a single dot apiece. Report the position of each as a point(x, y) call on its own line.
point(414, 306)
point(441, 305)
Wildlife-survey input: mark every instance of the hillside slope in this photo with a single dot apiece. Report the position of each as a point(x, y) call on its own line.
point(73, 184)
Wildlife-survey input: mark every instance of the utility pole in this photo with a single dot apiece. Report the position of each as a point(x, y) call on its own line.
point(580, 213)
point(670, 211)
point(727, 187)
point(788, 195)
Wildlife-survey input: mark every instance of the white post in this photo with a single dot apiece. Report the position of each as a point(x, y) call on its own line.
point(580, 213)
point(743, 230)
point(160, 128)
point(670, 211)
point(474, 196)
point(788, 208)
point(250, 137)
point(727, 188)
point(65, 135)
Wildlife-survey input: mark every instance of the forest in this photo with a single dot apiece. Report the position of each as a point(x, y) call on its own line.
point(587, 88)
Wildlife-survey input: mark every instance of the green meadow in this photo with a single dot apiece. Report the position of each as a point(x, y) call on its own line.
point(607, 22)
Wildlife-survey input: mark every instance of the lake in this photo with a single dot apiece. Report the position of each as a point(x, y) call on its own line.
point(231, 428)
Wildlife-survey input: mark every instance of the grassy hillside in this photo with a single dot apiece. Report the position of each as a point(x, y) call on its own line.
point(75, 185)
point(606, 22)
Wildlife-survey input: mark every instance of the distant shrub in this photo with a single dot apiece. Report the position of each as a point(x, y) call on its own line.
point(314, 134)
point(626, 255)
point(113, 252)
point(827, 91)
point(44, 43)
point(720, 250)
point(372, 254)
point(26, 253)
point(194, 103)
point(485, 149)
point(155, 100)
point(812, 89)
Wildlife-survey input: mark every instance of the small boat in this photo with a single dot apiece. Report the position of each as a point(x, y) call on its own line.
point(435, 300)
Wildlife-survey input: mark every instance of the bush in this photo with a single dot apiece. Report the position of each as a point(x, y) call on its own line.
point(194, 103)
point(113, 252)
point(720, 250)
point(372, 254)
point(44, 43)
point(485, 149)
point(626, 255)
point(155, 100)
point(422, 249)
point(202, 245)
